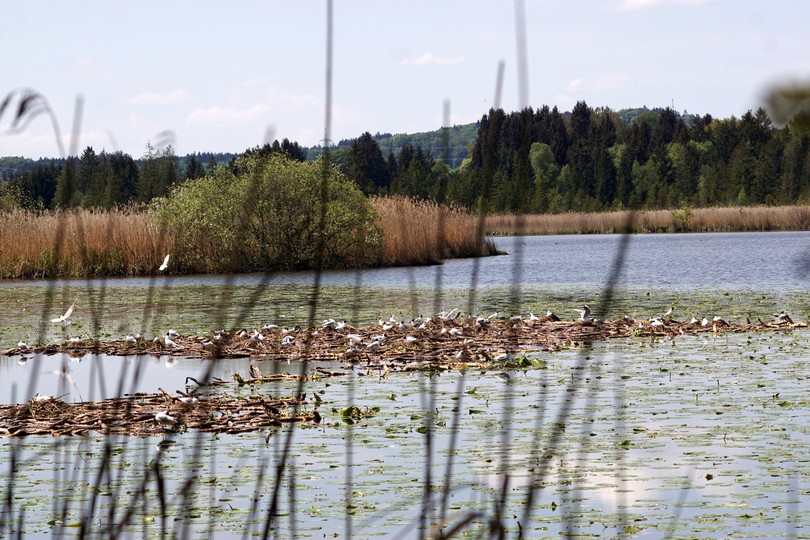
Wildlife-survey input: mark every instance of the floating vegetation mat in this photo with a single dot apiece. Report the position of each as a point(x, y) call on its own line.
point(430, 341)
point(153, 414)
point(428, 345)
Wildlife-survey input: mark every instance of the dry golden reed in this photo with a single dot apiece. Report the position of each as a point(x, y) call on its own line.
point(780, 218)
point(423, 232)
point(79, 243)
point(126, 242)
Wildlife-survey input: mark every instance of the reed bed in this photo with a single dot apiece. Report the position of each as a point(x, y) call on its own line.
point(781, 218)
point(127, 241)
point(79, 243)
point(423, 232)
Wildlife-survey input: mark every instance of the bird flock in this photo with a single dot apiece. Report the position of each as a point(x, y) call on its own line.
point(446, 328)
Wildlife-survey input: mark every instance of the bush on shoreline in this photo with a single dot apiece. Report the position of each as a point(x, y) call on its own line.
point(268, 218)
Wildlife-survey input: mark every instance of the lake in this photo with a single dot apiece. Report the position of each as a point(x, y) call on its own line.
point(694, 436)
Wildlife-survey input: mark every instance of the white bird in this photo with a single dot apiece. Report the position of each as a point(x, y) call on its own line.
point(373, 346)
point(533, 317)
point(165, 420)
point(656, 321)
point(340, 325)
point(694, 320)
point(668, 313)
point(172, 333)
point(329, 323)
point(704, 322)
point(354, 339)
point(169, 342)
point(23, 345)
point(131, 339)
point(782, 317)
point(64, 317)
point(584, 313)
point(410, 339)
point(188, 400)
point(287, 341)
point(456, 332)
point(447, 317)
point(165, 263)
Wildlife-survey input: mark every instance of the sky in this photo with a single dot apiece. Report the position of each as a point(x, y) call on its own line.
point(223, 77)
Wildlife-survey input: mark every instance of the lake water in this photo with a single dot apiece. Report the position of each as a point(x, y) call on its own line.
point(693, 437)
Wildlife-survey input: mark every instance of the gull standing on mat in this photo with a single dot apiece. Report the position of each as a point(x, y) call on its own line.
point(584, 314)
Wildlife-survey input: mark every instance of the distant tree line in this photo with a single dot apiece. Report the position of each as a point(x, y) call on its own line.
point(533, 161)
point(542, 160)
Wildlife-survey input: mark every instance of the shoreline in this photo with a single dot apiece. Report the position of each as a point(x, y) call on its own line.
point(685, 220)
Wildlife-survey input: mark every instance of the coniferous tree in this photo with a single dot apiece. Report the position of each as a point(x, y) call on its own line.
point(366, 165)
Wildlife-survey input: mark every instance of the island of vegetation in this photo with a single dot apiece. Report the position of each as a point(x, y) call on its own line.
point(433, 196)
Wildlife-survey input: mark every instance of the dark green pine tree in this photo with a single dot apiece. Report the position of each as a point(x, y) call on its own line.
point(66, 185)
point(366, 166)
point(194, 168)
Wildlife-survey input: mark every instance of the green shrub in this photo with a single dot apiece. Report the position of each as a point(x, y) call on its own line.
point(268, 218)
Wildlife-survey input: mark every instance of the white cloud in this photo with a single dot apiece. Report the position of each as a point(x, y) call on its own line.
point(574, 84)
point(168, 98)
point(226, 116)
point(634, 5)
point(428, 59)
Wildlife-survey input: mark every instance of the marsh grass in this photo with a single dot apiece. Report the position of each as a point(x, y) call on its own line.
point(127, 241)
point(423, 232)
point(781, 218)
point(80, 243)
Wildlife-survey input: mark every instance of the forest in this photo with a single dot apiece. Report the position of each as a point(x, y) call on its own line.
point(530, 161)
